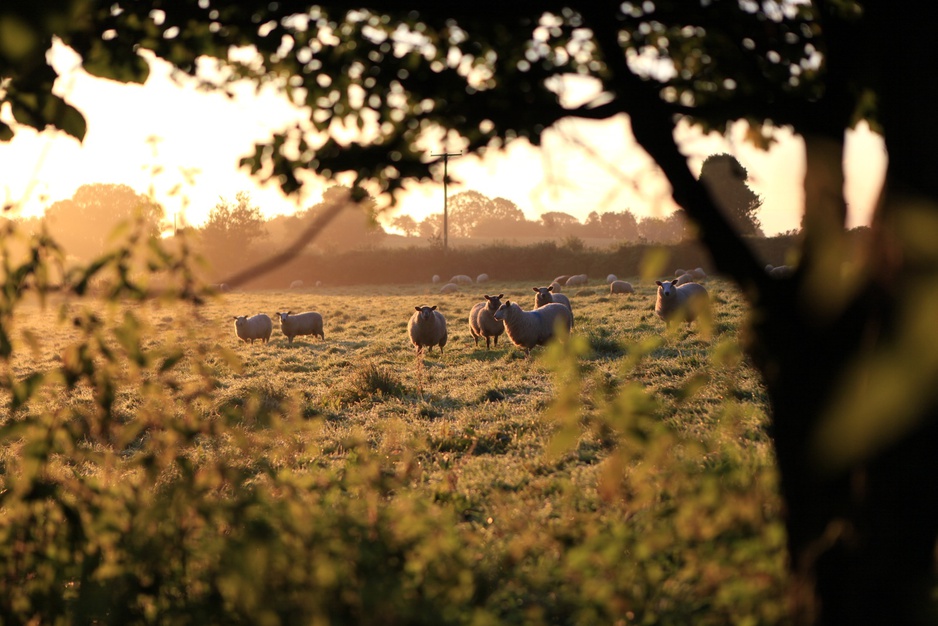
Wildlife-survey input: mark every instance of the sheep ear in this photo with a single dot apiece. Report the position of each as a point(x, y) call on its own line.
point(535, 288)
point(433, 308)
point(487, 297)
point(550, 287)
point(658, 282)
point(500, 296)
point(416, 308)
point(674, 282)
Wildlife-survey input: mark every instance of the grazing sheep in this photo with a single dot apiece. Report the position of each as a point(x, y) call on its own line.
point(546, 295)
point(782, 271)
point(527, 329)
point(611, 278)
point(255, 327)
point(482, 278)
point(685, 278)
point(556, 287)
point(435, 279)
point(698, 273)
point(449, 288)
point(461, 279)
point(482, 322)
point(309, 323)
point(620, 286)
point(680, 303)
point(296, 284)
point(561, 280)
point(577, 280)
point(679, 272)
point(427, 327)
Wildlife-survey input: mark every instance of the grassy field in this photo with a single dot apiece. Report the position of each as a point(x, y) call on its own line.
point(623, 477)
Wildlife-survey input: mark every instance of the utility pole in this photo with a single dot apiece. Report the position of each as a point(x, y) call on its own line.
point(446, 156)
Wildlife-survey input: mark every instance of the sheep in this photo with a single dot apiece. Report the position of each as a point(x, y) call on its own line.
point(482, 278)
point(679, 272)
point(698, 273)
point(782, 271)
point(685, 278)
point(546, 295)
point(680, 303)
point(255, 327)
point(436, 279)
point(449, 288)
point(620, 286)
point(527, 329)
point(309, 323)
point(555, 287)
point(561, 280)
point(611, 279)
point(481, 320)
point(577, 280)
point(296, 284)
point(427, 327)
point(461, 279)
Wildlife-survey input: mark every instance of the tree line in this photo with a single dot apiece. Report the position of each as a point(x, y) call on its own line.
point(83, 223)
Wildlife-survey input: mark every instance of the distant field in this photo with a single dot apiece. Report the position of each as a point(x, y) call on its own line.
point(626, 476)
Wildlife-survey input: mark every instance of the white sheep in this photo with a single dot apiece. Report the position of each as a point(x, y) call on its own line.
point(527, 329)
point(436, 279)
point(577, 280)
point(698, 273)
point(482, 278)
point(620, 286)
point(561, 280)
point(546, 295)
point(555, 287)
point(427, 327)
point(255, 327)
point(449, 288)
point(681, 303)
point(461, 279)
point(482, 322)
point(293, 324)
point(611, 278)
point(685, 278)
point(296, 284)
point(679, 272)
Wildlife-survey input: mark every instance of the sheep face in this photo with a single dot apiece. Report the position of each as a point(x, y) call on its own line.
point(283, 316)
point(502, 311)
point(494, 302)
point(667, 290)
point(426, 312)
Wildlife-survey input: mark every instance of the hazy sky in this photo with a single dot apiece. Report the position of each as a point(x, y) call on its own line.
point(583, 166)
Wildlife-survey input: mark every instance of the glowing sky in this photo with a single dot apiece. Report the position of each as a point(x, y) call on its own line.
point(582, 167)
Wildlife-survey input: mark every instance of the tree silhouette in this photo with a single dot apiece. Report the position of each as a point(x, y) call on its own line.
point(232, 230)
point(83, 223)
point(725, 178)
point(846, 356)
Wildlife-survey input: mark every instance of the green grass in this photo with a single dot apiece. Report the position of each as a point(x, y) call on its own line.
point(625, 476)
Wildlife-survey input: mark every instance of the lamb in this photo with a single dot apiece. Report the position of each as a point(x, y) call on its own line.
point(620, 286)
point(527, 329)
point(482, 322)
point(309, 323)
point(545, 295)
point(449, 288)
point(681, 303)
point(427, 327)
point(255, 327)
